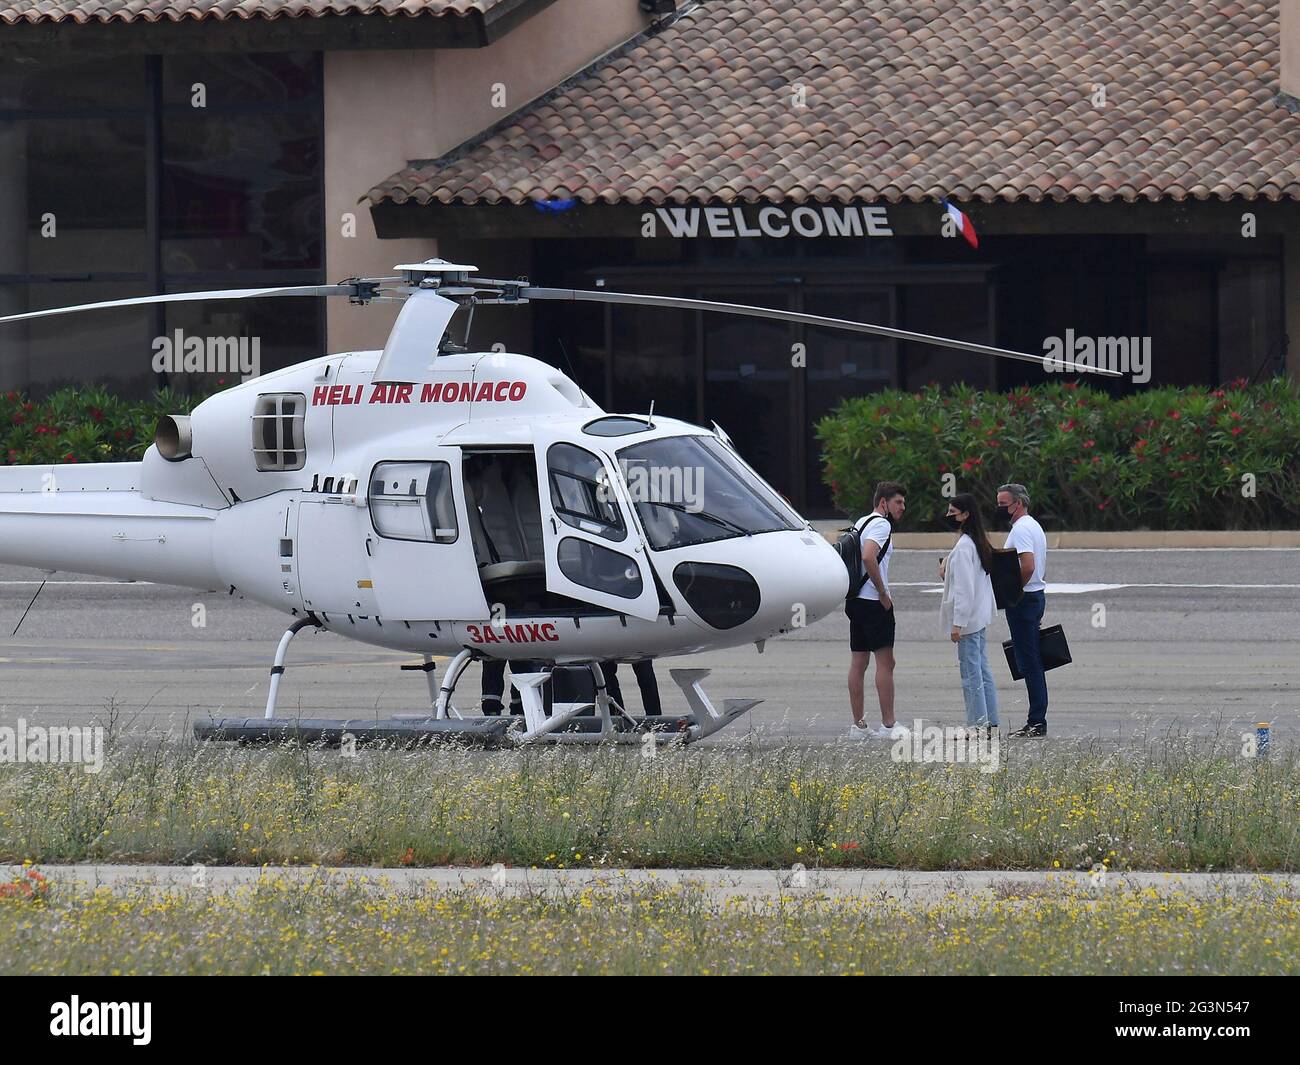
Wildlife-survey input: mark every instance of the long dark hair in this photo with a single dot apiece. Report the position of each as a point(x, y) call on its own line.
point(973, 527)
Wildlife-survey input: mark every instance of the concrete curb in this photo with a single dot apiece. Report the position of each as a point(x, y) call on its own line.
point(903, 885)
point(1143, 539)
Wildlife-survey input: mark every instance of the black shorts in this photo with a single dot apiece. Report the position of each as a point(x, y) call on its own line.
point(871, 626)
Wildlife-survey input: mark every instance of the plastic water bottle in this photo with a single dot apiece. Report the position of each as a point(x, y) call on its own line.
point(1262, 733)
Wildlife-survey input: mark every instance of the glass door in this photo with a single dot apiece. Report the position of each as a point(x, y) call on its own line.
point(749, 379)
point(840, 365)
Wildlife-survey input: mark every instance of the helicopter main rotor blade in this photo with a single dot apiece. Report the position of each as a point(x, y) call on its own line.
point(681, 303)
point(190, 297)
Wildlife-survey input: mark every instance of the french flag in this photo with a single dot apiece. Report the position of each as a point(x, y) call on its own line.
point(964, 225)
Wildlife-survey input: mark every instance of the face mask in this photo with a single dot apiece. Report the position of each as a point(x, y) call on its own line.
point(1004, 513)
point(952, 521)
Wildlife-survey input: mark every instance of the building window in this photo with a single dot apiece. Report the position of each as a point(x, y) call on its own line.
point(278, 422)
point(413, 501)
point(135, 175)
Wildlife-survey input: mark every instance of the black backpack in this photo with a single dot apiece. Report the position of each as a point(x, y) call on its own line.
point(849, 545)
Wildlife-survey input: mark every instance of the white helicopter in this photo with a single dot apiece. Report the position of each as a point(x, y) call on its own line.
point(430, 499)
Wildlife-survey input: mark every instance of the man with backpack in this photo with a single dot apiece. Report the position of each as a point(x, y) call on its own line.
point(871, 610)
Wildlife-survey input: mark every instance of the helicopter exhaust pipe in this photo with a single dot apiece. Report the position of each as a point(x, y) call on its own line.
point(174, 438)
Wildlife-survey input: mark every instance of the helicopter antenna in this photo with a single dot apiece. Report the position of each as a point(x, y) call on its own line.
point(573, 373)
point(650, 418)
point(29, 607)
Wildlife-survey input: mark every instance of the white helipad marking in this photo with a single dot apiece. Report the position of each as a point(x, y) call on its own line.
point(1076, 589)
point(933, 587)
point(1113, 550)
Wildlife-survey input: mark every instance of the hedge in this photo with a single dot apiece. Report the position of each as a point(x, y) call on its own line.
point(1162, 458)
point(82, 425)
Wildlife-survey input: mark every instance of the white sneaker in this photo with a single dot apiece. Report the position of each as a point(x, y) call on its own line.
point(858, 732)
point(889, 732)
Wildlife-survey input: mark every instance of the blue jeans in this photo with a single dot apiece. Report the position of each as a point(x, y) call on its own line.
point(1023, 620)
point(977, 680)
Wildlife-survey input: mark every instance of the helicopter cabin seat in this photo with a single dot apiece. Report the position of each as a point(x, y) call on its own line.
point(505, 521)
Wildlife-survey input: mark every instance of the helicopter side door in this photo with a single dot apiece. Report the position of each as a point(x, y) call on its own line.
point(332, 566)
point(594, 552)
point(421, 552)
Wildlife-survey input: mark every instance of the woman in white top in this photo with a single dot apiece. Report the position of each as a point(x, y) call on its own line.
point(968, 608)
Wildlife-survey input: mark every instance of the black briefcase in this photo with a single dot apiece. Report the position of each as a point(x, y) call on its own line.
point(1052, 648)
point(1004, 573)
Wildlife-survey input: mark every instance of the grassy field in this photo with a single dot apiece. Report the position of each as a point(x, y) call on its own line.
point(1172, 804)
point(348, 926)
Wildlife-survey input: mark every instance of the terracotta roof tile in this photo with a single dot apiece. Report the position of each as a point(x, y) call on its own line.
point(15, 12)
point(977, 99)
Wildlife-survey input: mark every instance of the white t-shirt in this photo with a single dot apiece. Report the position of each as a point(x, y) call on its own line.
point(877, 532)
point(1027, 535)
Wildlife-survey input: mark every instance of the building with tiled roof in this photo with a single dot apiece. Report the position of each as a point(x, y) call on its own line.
point(1131, 169)
point(894, 101)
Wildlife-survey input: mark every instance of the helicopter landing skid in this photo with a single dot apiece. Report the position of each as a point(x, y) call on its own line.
point(604, 721)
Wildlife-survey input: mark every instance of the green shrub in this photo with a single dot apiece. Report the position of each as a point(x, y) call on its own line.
point(82, 425)
point(1164, 458)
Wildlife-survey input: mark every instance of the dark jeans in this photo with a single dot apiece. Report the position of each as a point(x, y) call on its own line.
point(645, 678)
point(494, 685)
point(1023, 620)
point(575, 685)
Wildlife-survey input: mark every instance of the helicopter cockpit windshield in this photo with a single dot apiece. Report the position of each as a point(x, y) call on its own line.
point(694, 490)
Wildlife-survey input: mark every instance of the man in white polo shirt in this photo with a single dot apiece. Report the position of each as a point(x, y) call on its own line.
point(1030, 544)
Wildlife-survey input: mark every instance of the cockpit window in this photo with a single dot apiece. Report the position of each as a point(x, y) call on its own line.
point(581, 492)
point(616, 425)
point(693, 490)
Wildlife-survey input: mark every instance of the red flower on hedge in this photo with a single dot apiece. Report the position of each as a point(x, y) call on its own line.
point(1068, 426)
point(1090, 443)
point(1174, 415)
point(1236, 430)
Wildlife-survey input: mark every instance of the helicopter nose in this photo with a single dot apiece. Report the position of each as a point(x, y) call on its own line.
point(804, 581)
point(826, 580)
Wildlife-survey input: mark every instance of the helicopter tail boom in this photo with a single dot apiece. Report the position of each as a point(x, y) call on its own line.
point(92, 519)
